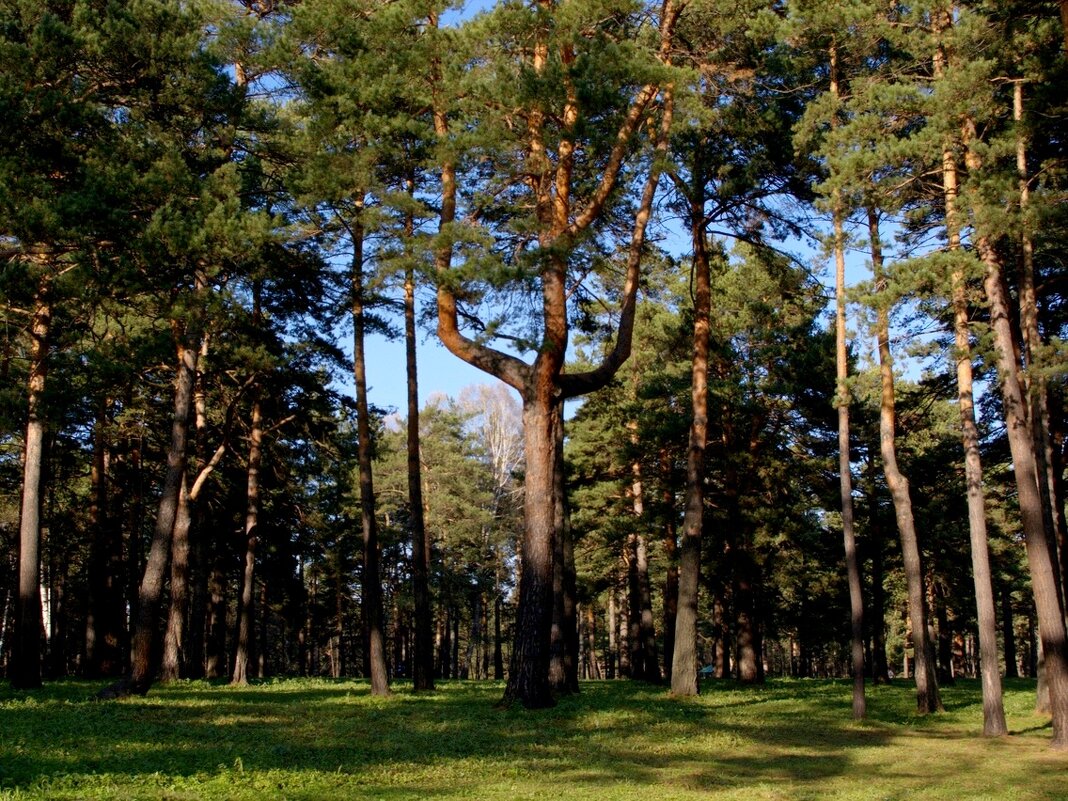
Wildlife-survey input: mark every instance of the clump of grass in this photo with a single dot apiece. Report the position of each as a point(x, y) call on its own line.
point(316, 739)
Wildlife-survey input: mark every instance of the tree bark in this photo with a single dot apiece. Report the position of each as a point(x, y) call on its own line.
point(242, 643)
point(26, 663)
point(845, 476)
point(684, 664)
point(563, 662)
point(928, 698)
point(1044, 580)
point(423, 657)
point(142, 666)
point(375, 663)
point(994, 724)
point(174, 636)
point(671, 551)
point(1008, 634)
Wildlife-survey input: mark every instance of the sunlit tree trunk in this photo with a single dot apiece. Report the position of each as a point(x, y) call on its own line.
point(994, 724)
point(25, 672)
point(927, 696)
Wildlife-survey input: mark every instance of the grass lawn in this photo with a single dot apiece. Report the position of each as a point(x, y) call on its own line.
point(319, 739)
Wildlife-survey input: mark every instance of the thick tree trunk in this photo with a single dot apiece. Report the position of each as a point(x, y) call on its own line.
point(375, 659)
point(242, 643)
point(927, 696)
point(174, 636)
point(25, 672)
point(423, 657)
point(684, 664)
point(528, 675)
point(142, 667)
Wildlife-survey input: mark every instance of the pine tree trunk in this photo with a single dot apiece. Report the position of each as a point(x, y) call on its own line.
point(199, 563)
point(1034, 384)
point(498, 640)
point(994, 724)
point(242, 642)
point(174, 636)
point(563, 639)
point(927, 696)
point(372, 587)
point(684, 664)
point(528, 675)
point(1008, 635)
point(423, 658)
point(142, 667)
point(593, 662)
point(612, 625)
point(671, 549)
point(215, 629)
point(845, 475)
point(877, 620)
point(25, 672)
point(1044, 579)
point(105, 614)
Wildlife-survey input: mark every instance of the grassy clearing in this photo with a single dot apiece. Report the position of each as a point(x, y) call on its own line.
point(317, 739)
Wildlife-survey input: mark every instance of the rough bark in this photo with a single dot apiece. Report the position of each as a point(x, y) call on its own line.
point(242, 642)
point(928, 698)
point(25, 671)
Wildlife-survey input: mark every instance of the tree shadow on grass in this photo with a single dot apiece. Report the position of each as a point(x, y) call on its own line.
point(435, 745)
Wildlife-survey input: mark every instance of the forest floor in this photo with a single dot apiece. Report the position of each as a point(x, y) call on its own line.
point(318, 739)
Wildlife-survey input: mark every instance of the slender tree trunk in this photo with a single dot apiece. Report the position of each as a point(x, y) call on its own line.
point(877, 621)
point(612, 626)
point(1008, 635)
point(242, 643)
point(643, 658)
point(1033, 382)
point(845, 476)
point(684, 665)
point(1044, 580)
point(215, 634)
point(372, 583)
point(105, 622)
point(199, 566)
point(563, 661)
point(26, 665)
point(994, 724)
point(594, 664)
point(927, 696)
point(498, 640)
point(671, 552)
point(423, 661)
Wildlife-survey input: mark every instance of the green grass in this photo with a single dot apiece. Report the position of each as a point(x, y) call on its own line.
point(319, 739)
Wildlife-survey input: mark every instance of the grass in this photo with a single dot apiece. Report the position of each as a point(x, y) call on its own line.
point(320, 739)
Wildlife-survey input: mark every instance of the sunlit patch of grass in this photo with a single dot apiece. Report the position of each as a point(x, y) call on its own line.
point(322, 739)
